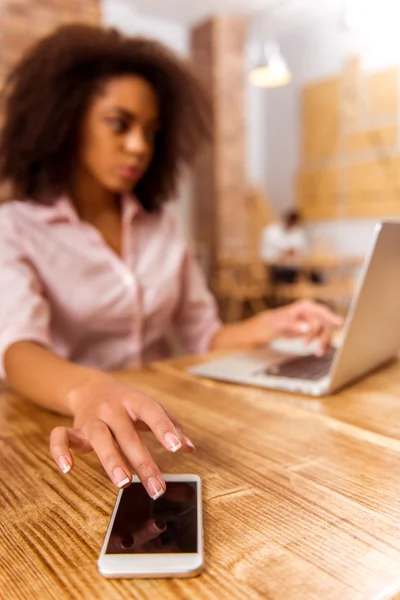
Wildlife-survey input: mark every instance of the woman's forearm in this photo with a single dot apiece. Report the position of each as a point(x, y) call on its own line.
point(44, 378)
point(239, 336)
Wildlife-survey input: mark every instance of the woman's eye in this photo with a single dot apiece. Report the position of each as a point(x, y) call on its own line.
point(118, 125)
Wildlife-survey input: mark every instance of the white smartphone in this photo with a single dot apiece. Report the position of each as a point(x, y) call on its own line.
point(155, 538)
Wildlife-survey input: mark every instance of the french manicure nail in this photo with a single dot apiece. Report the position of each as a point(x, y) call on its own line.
point(189, 443)
point(127, 541)
point(160, 524)
point(64, 464)
point(172, 442)
point(120, 477)
point(155, 488)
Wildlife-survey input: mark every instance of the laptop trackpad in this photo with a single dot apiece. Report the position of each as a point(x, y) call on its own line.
point(309, 367)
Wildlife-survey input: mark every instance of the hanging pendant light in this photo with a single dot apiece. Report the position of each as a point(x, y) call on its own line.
point(273, 71)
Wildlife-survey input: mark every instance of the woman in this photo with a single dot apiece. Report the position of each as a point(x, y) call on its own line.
point(93, 277)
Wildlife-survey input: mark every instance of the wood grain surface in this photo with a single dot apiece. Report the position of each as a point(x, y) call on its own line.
point(301, 496)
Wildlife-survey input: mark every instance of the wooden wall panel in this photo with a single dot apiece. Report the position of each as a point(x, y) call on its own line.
point(384, 137)
point(318, 192)
point(373, 205)
point(373, 176)
point(321, 119)
point(350, 145)
point(383, 92)
point(374, 188)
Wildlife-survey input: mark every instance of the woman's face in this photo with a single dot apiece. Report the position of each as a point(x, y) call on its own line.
point(118, 134)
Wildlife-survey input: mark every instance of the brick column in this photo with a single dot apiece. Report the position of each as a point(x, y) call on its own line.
point(24, 21)
point(220, 222)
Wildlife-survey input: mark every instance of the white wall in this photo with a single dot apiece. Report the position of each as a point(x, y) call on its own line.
point(122, 15)
point(314, 50)
point(256, 114)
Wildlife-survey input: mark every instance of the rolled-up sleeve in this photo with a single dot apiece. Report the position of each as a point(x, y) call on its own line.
point(197, 319)
point(24, 311)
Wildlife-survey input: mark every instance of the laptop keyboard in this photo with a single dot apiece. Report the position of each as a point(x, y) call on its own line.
point(304, 367)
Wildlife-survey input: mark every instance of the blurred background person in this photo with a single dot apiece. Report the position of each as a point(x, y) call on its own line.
point(283, 244)
point(284, 239)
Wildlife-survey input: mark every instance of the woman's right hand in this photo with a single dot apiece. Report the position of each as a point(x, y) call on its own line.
point(107, 416)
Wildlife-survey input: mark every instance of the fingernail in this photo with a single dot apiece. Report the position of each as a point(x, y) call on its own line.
point(172, 442)
point(154, 488)
point(127, 541)
point(304, 328)
point(160, 524)
point(319, 352)
point(64, 464)
point(189, 443)
point(120, 477)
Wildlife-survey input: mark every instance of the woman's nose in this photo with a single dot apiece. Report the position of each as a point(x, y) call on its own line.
point(136, 143)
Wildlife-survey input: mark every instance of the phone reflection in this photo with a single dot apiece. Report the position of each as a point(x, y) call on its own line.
point(166, 525)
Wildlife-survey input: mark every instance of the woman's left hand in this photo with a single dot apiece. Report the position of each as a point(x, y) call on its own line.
point(304, 318)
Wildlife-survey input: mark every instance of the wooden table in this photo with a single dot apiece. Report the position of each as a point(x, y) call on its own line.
point(301, 496)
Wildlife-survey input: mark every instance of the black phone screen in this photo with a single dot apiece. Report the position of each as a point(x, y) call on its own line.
point(146, 526)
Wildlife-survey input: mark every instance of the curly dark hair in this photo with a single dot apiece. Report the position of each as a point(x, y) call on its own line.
point(49, 90)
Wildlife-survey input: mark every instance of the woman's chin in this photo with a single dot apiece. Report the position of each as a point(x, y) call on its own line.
point(121, 187)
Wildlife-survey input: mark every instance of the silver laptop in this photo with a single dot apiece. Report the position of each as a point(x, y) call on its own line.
point(371, 335)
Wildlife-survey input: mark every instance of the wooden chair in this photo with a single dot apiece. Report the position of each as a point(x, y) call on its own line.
point(238, 282)
point(338, 295)
point(242, 278)
point(337, 290)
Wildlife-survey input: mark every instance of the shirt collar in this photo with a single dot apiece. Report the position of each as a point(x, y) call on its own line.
point(131, 208)
point(63, 211)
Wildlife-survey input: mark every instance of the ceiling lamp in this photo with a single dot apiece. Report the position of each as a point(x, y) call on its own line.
point(273, 71)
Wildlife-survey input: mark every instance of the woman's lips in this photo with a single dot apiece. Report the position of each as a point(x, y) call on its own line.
point(132, 173)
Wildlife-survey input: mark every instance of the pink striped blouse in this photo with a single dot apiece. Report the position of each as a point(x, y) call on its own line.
point(63, 287)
